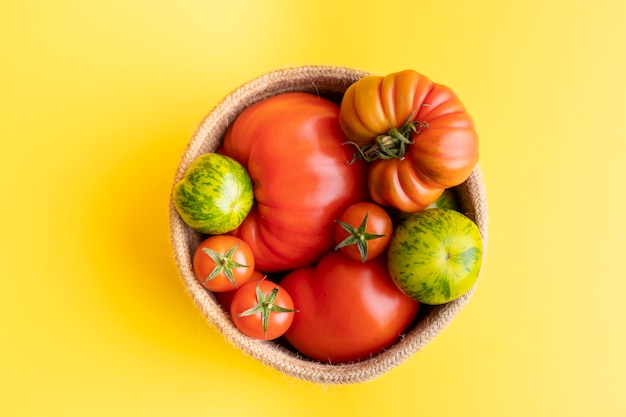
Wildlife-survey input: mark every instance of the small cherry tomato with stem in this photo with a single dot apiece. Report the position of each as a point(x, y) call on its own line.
point(262, 309)
point(223, 263)
point(363, 231)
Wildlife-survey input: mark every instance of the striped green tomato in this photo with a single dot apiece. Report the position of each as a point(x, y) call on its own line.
point(435, 255)
point(215, 194)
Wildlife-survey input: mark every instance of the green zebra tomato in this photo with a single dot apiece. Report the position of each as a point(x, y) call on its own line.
point(435, 255)
point(215, 194)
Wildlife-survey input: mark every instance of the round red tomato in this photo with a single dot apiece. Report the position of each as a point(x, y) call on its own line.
point(262, 309)
point(363, 231)
point(348, 310)
point(293, 148)
point(223, 263)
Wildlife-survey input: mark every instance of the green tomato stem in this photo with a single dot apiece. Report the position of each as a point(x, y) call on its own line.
point(265, 306)
point(393, 144)
point(357, 236)
point(223, 264)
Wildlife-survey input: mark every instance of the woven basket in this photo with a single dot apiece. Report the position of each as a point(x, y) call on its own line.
point(330, 82)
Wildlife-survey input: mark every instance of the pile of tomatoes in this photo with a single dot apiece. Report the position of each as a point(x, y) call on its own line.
point(307, 264)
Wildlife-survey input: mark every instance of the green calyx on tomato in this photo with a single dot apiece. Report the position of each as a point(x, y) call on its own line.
point(224, 263)
point(363, 231)
point(262, 309)
point(358, 236)
point(412, 172)
point(392, 144)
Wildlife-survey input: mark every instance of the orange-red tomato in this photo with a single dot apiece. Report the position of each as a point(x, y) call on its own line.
point(223, 263)
point(262, 309)
point(348, 310)
point(440, 147)
point(363, 231)
point(292, 146)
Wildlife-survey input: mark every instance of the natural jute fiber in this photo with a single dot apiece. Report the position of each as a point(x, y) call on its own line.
point(329, 82)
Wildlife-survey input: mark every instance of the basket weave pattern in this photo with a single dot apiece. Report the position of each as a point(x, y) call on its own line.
point(330, 82)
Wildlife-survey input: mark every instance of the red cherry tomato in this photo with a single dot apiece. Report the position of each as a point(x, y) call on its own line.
point(262, 309)
point(223, 263)
point(363, 231)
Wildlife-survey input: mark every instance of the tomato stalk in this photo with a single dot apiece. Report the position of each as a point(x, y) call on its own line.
point(265, 306)
point(223, 264)
point(392, 144)
point(357, 236)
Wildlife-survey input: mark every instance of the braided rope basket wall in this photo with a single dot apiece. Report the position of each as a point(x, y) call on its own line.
point(329, 82)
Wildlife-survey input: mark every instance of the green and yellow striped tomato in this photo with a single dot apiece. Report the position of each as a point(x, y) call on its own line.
point(215, 194)
point(435, 255)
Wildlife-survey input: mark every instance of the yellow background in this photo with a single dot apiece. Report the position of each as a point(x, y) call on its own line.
point(98, 100)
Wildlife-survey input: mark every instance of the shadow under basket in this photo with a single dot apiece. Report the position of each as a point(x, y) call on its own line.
point(329, 82)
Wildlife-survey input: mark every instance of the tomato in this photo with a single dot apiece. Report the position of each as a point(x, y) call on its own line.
point(363, 231)
point(293, 148)
point(223, 263)
point(215, 194)
point(225, 298)
point(348, 310)
point(417, 134)
point(435, 255)
point(262, 309)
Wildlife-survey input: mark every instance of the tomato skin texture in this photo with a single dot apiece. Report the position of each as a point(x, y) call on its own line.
point(348, 310)
point(293, 148)
point(245, 298)
point(445, 147)
point(395, 183)
point(203, 265)
point(378, 223)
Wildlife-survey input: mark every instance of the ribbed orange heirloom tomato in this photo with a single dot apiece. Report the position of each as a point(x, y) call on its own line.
point(223, 263)
point(417, 134)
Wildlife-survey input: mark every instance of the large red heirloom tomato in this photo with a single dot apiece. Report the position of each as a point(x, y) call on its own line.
point(293, 148)
point(426, 138)
point(348, 309)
